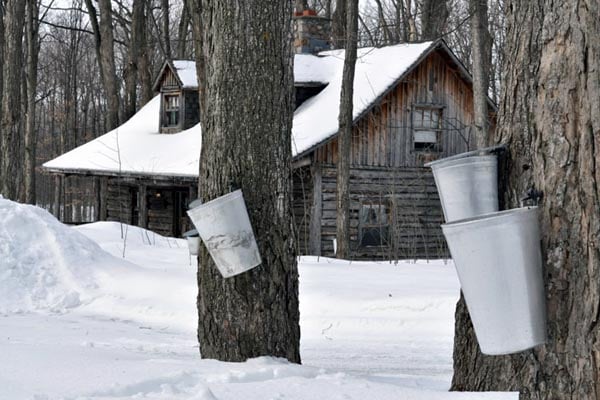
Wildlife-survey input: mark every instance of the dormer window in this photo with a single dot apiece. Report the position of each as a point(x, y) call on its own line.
point(172, 111)
point(179, 105)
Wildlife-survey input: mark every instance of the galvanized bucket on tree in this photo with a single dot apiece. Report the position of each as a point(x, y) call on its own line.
point(193, 241)
point(499, 264)
point(467, 186)
point(224, 226)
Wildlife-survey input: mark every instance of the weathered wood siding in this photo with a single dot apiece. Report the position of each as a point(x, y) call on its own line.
point(169, 80)
point(383, 136)
point(191, 107)
point(164, 214)
point(119, 205)
point(302, 204)
point(387, 170)
point(414, 212)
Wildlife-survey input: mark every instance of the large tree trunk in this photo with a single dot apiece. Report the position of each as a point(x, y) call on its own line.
point(549, 118)
point(345, 132)
point(11, 96)
point(482, 54)
point(246, 143)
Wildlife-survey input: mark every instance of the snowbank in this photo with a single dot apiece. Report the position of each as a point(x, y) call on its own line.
point(369, 330)
point(43, 263)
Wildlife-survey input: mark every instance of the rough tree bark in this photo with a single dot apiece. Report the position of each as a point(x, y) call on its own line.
point(338, 25)
point(164, 5)
point(300, 5)
point(549, 118)
point(246, 143)
point(14, 18)
point(434, 15)
point(103, 34)
point(136, 45)
point(33, 49)
point(345, 132)
point(482, 55)
point(182, 33)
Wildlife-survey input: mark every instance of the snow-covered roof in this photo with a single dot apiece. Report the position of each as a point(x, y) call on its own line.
point(143, 150)
point(137, 147)
point(377, 69)
point(186, 72)
point(309, 68)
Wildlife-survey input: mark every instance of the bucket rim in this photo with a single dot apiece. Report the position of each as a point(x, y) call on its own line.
point(459, 162)
point(217, 200)
point(486, 151)
point(489, 217)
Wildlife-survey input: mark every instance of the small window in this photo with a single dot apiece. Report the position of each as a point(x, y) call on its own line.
point(374, 226)
point(171, 106)
point(427, 128)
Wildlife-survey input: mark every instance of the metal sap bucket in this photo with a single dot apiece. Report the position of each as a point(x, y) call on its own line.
point(193, 241)
point(467, 185)
point(499, 264)
point(224, 226)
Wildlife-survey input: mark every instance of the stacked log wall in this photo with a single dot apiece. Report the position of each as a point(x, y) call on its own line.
point(414, 212)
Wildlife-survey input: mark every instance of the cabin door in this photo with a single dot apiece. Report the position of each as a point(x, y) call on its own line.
point(180, 218)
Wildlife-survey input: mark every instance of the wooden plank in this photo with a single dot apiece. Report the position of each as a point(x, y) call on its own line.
point(316, 210)
point(143, 206)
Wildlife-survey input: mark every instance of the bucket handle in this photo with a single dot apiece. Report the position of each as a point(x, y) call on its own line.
point(532, 196)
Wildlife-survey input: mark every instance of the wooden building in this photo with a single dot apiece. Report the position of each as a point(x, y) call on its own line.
point(141, 179)
point(413, 103)
point(425, 113)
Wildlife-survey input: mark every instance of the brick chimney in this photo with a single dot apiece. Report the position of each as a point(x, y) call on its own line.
point(312, 33)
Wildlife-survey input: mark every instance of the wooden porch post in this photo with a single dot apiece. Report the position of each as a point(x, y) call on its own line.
point(103, 198)
point(143, 210)
point(57, 192)
point(314, 241)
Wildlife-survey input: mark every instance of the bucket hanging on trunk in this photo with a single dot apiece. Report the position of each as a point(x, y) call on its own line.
point(467, 185)
point(224, 226)
point(499, 264)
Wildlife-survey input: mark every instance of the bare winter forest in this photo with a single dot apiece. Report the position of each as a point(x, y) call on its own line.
point(73, 70)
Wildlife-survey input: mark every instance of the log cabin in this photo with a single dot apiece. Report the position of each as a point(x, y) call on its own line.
point(413, 103)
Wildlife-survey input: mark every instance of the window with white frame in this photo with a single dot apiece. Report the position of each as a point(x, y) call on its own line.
point(427, 128)
point(171, 110)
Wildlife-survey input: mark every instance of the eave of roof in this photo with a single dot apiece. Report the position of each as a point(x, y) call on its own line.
point(436, 45)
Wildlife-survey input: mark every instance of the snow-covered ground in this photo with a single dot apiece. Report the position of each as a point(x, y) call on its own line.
point(85, 314)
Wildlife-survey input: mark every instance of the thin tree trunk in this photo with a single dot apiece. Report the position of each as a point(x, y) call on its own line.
point(33, 48)
point(11, 97)
point(338, 25)
point(345, 132)
point(182, 34)
point(246, 143)
point(434, 15)
point(481, 54)
point(549, 118)
point(135, 45)
point(194, 8)
point(103, 33)
point(165, 27)
point(383, 24)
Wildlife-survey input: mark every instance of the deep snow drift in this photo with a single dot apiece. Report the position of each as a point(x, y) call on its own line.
point(80, 321)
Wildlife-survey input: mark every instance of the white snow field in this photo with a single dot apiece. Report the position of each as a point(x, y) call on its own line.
point(80, 321)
